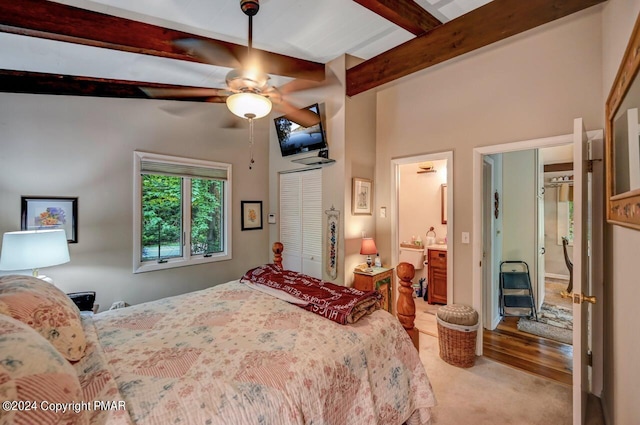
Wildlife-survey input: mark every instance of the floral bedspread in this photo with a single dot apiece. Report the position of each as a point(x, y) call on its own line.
point(233, 355)
point(98, 384)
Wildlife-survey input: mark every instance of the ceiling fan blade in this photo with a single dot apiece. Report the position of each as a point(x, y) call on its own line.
point(187, 93)
point(180, 109)
point(233, 121)
point(303, 117)
point(216, 54)
point(299, 85)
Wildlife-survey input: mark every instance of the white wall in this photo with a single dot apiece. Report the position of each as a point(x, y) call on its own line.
point(622, 291)
point(360, 161)
point(332, 105)
point(529, 86)
point(83, 147)
point(419, 201)
point(518, 207)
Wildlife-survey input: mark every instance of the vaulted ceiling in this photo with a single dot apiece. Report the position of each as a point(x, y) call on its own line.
point(113, 47)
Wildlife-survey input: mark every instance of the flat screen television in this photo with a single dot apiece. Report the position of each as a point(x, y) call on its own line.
point(295, 139)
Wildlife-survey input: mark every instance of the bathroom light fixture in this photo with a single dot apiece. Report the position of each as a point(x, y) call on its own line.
point(32, 249)
point(368, 248)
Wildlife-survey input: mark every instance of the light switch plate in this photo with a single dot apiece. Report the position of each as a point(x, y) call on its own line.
point(271, 219)
point(465, 237)
point(383, 212)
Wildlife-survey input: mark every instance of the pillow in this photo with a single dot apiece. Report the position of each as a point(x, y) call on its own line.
point(46, 309)
point(32, 370)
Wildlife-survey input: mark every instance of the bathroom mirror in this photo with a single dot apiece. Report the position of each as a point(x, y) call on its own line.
point(443, 203)
point(623, 139)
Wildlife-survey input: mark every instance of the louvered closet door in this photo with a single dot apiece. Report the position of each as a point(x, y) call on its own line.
point(291, 221)
point(301, 221)
point(312, 223)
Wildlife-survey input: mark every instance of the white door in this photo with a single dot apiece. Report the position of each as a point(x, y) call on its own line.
point(580, 272)
point(291, 221)
point(312, 223)
point(301, 221)
point(491, 207)
point(540, 230)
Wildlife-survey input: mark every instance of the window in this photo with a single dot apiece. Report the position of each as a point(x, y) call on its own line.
point(182, 212)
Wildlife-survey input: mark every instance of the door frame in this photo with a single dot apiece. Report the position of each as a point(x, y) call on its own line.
point(478, 154)
point(395, 187)
point(491, 207)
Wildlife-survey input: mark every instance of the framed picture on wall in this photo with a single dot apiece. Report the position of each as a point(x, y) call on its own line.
point(361, 196)
point(251, 215)
point(47, 212)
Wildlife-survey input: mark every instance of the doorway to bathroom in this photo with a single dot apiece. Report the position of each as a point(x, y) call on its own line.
point(422, 226)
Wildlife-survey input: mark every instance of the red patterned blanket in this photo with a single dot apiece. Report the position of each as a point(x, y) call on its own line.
point(341, 304)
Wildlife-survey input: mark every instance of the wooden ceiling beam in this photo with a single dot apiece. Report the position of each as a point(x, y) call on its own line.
point(55, 84)
point(60, 22)
point(488, 24)
point(406, 14)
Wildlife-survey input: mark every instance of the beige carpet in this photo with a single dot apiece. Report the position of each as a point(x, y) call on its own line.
point(491, 393)
point(426, 317)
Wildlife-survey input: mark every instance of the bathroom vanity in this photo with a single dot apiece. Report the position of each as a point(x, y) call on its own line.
point(437, 274)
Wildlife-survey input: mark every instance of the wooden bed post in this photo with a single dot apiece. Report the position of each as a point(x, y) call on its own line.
point(406, 307)
point(277, 253)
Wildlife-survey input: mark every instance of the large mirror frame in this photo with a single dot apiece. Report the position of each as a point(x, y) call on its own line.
point(622, 208)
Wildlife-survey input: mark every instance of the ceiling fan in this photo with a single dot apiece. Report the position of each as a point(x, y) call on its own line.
point(248, 93)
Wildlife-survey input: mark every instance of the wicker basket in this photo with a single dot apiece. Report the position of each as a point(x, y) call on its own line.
point(458, 341)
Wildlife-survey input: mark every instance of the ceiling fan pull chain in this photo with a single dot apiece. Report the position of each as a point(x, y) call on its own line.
point(250, 41)
point(251, 161)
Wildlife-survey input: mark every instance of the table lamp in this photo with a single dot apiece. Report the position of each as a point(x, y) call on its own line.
point(33, 249)
point(368, 248)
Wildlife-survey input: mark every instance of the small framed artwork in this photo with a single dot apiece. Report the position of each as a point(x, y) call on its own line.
point(361, 196)
point(47, 212)
point(251, 215)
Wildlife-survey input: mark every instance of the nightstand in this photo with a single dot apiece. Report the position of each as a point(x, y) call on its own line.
point(381, 280)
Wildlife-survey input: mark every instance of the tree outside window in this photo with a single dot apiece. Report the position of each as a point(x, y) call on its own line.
point(190, 209)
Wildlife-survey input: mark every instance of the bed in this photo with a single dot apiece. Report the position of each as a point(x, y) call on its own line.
point(228, 354)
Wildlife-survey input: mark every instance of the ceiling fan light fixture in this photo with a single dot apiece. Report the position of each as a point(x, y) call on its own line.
point(249, 105)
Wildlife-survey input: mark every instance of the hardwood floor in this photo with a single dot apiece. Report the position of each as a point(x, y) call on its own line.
point(531, 353)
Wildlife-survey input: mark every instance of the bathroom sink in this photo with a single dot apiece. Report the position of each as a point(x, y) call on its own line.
point(442, 247)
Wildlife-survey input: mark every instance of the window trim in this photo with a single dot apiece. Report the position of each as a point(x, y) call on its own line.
point(187, 258)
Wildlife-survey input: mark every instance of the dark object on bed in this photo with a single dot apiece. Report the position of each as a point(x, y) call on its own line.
point(84, 300)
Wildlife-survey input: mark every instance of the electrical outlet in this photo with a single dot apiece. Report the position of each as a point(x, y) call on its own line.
point(465, 237)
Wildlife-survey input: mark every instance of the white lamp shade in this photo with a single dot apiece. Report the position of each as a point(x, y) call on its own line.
point(32, 249)
point(249, 105)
